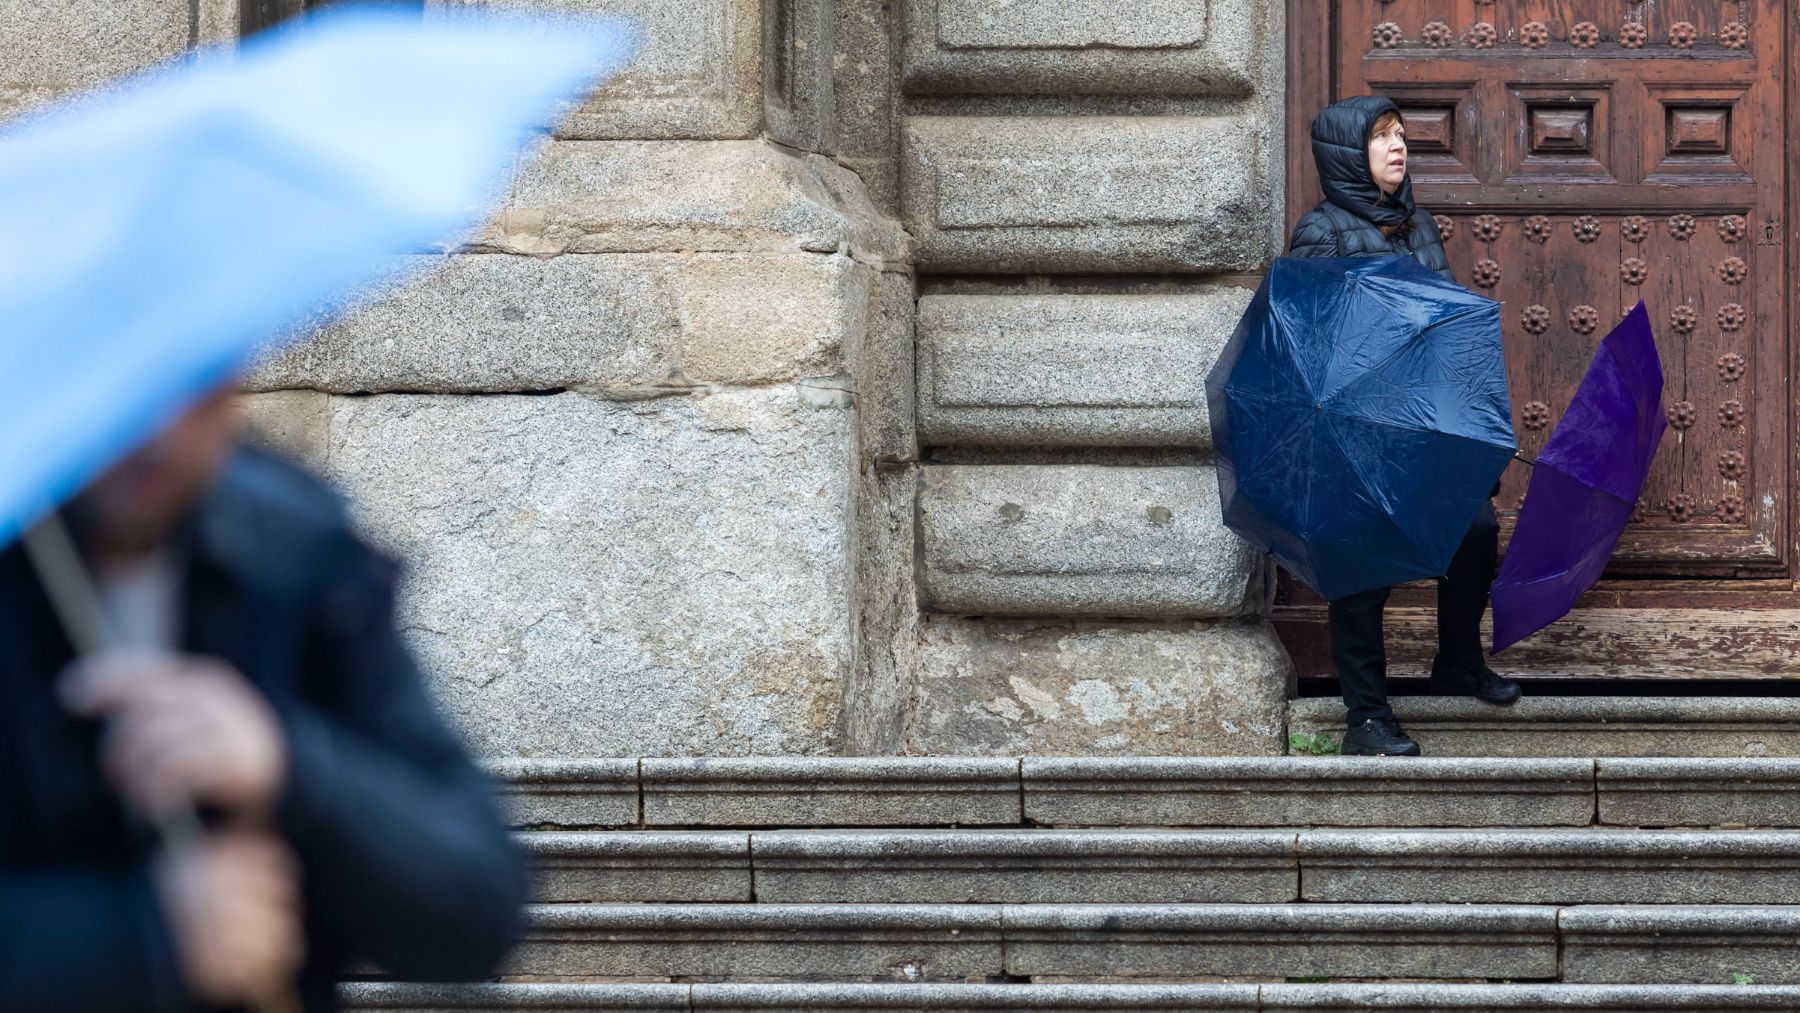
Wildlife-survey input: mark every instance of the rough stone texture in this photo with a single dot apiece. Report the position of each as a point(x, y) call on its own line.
point(410, 998)
point(1550, 867)
point(1699, 792)
point(1281, 940)
point(1044, 689)
point(601, 578)
point(1582, 725)
point(1055, 47)
point(885, 374)
point(1085, 193)
point(1024, 867)
point(974, 998)
point(51, 47)
point(1283, 791)
point(699, 74)
point(638, 866)
point(792, 942)
point(863, 60)
point(1083, 541)
point(626, 326)
point(570, 793)
point(693, 196)
point(878, 699)
point(295, 424)
point(844, 791)
point(1528, 998)
point(1701, 945)
point(1062, 370)
point(798, 107)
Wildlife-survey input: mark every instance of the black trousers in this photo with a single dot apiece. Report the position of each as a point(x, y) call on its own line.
point(1357, 651)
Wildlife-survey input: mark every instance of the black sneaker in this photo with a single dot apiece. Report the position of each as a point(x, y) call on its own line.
point(1484, 684)
point(1378, 737)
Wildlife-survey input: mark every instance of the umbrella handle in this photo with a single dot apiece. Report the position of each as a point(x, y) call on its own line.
point(1519, 455)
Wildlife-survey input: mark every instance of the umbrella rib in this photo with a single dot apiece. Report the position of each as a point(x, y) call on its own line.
point(1391, 356)
point(1386, 517)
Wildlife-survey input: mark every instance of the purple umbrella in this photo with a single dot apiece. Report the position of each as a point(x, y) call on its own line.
point(1585, 484)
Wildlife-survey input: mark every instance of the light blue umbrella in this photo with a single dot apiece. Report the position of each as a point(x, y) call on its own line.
point(152, 238)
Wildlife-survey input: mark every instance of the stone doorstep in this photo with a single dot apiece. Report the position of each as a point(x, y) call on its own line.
point(1300, 791)
point(638, 865)
point(1281, 940)
point(845, 791)
point(1581, 726)
point(1577, 866)
point(1699, 792)
point(1701, 945)
point(808, 942)
point(1025, 866)
point(571, 793)
point(895, 998)
point(925, 942)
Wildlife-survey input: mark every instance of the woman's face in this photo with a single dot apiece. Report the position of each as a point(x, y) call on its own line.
point(1387, 156)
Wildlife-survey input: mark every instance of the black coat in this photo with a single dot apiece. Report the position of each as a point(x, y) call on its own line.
point(1348, 222)
point(405, 864)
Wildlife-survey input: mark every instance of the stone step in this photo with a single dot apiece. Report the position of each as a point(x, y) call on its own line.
point(1290, 791)
point(1040, 866)
point(1017, 998)
point(971, 942)
point(1580, 726)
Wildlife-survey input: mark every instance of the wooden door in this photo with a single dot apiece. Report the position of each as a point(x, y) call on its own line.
point(1583, 155)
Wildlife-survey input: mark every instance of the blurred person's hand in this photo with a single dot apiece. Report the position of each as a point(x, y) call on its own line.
point(232, 904)
point(181, 731)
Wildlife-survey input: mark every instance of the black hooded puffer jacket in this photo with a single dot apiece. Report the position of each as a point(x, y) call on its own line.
point(1347, 223)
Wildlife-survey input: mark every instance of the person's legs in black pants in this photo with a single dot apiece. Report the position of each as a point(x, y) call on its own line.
point(1358, 654)
point(1462, 596)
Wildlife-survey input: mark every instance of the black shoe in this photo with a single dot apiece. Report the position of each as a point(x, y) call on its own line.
point(1484, 684)
point(1378, 737)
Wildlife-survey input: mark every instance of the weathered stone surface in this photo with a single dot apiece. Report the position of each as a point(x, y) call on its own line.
point(1085, 193)
point(408, 998)
point(791, 942)
point(1550, 867)
point(1054, 47)
point(798, 107)
point(626, 326)
point(293, 423)
point(689, 196)
point(975, 998)
point(885, 373)
point(52, 47)
point(1024, 867)
point(1528, 998)
point(1281, 940)
point(1083, 541)
point(1582, 725)
point(699, 74)
point(570, 793)
point(1293, 791)
point(645, 865)
point(863, 45)
point(1090, 370)
point(840, 791)
point(1699, 792)
point(1048, 689)
point(1702, 945)
point(878, 698)
point(592, 577)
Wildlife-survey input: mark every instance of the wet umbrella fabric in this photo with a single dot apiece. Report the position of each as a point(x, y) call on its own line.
point(1360, 417)
point(152, 237)
point(1585, 484)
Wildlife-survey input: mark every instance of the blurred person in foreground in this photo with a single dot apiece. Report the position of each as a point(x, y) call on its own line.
point(259, 679)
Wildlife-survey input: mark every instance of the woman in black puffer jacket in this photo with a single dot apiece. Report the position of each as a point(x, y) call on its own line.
point(1368, 211)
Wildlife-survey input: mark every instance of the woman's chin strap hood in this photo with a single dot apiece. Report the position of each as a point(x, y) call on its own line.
point(1340, 143)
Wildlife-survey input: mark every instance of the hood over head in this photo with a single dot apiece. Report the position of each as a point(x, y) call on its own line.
point(1340, 143)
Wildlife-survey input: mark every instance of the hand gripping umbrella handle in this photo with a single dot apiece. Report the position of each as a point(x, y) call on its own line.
point(77, 606)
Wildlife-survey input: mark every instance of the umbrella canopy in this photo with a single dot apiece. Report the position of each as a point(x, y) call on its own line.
point(1360, 417)
point(1585, 484)
point(150, 239)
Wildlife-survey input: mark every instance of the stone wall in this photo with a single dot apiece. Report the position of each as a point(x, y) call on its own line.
point(829, 383)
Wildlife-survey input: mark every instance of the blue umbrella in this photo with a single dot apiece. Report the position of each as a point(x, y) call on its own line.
point(151, 239)
point(1360, 417)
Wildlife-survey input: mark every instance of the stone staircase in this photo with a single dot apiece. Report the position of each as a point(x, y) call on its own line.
point(1084, 883)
